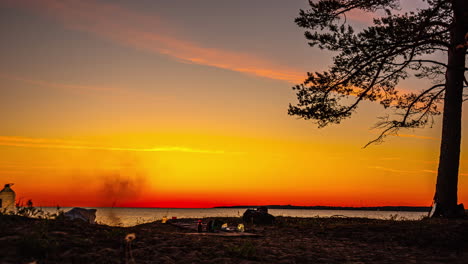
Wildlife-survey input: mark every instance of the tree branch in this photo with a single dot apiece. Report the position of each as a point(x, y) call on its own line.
point(371, 85)
point(417, 99)
point(431, 61)
point(393, 126)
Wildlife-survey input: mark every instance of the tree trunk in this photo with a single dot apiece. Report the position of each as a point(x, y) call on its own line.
point(445, 199)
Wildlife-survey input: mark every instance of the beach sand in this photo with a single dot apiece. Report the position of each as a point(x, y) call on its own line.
point(290, 240)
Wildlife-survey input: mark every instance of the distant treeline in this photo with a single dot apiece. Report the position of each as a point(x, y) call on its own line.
point(377, 208)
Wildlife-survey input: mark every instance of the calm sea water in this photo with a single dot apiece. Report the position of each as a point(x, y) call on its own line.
point(134, 216)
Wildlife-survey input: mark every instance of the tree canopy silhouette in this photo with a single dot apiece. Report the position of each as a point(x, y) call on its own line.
point(370, 63)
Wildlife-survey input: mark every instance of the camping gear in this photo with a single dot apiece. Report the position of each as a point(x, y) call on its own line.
point(214, 225)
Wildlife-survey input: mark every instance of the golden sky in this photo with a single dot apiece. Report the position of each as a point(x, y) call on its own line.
point(184, 104)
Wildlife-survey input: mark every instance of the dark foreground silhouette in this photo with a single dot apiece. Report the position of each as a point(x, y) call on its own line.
point(289, 240)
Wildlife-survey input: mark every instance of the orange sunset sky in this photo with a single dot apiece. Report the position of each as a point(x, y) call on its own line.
point(184, 104)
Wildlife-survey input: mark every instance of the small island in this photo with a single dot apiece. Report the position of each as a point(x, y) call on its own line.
point(374, 208)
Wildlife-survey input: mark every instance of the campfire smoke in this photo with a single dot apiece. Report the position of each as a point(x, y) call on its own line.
point(117, 188)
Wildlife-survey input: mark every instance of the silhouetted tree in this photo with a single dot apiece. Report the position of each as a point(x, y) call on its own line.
point(370, 64)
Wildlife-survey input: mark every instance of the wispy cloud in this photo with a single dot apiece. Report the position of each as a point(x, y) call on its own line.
point(409, 171)
point(39, 140)
point(64, 144)
point(435, 172)
point(149, 33)
point(392, 170)
point(58, 85)
point(106, 91)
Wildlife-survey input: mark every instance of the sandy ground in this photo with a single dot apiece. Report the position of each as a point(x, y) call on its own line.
point(290, 240)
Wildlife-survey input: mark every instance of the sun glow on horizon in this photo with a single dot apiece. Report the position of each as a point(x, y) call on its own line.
point(162, 107)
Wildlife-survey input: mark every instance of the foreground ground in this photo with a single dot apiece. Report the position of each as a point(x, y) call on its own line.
point(290, 240)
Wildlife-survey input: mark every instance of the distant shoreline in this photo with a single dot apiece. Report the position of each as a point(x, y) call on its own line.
point(373, 208)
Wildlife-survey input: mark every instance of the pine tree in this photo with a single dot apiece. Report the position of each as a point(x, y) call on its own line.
point(370, 63)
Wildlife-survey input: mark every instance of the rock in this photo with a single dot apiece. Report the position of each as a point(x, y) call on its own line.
point(87, 215)
point(258, 217)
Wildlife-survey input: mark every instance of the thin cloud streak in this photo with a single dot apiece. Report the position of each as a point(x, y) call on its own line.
point(58, 85)
point(435, 172)
point(391, 170)
point(405, 171)
point(39, 140)
point(63, 144)
point(150, 34)
point(81, 89)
